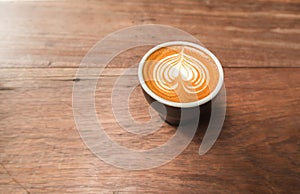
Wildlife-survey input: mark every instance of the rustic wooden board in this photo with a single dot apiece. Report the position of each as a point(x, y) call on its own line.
point(42, 44)
point(42, 151)
point(241, 34)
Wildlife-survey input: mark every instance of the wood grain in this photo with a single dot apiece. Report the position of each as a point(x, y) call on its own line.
point(42, 44)
point(258, 145)
point(247, 34)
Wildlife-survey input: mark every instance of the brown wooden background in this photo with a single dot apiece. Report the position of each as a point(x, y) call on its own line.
point(42, 44)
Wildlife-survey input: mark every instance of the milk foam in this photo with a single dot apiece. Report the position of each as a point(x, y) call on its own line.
point(180, 73)
point(183, 70)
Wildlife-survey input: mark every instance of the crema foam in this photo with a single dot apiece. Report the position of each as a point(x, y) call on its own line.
point(180, 73)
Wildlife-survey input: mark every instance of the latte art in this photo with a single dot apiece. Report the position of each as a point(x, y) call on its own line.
point(181, 69)
point(180, 73)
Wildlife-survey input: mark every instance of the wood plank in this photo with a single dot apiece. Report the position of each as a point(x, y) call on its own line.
point(43, 42)
point(36, 34)
point(42, 152)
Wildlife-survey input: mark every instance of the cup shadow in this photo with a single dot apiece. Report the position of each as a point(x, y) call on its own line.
point(203, 123)
point(205, 113)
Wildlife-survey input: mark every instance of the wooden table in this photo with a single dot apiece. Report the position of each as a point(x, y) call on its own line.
point(42, 44)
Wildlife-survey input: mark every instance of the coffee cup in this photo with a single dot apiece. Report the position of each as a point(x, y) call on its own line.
point(179, 79)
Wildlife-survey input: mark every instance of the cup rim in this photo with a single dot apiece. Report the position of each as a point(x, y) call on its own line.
point(181, 104)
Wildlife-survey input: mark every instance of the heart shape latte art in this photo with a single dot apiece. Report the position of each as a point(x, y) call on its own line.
point(181, 70)
point(180, 73)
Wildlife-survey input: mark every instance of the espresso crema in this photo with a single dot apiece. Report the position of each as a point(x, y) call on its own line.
point(180, 73)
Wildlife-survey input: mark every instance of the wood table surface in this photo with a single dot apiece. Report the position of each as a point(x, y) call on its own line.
point(42, 44)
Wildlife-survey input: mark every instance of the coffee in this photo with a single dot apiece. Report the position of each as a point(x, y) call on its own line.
point(180, 73)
